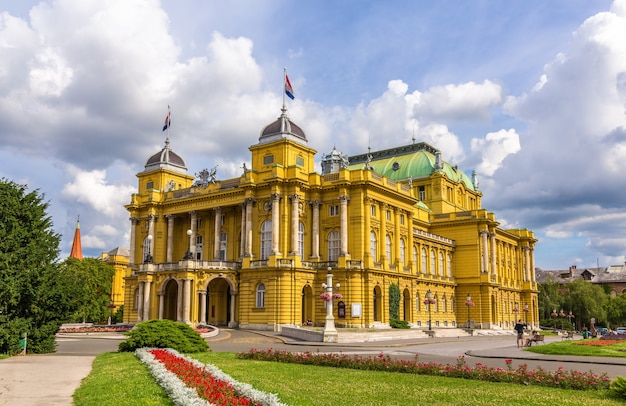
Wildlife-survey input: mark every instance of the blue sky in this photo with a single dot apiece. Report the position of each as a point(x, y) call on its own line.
point(530, 94)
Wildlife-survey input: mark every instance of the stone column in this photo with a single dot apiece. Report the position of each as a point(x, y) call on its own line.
point(249, 203)
point(186, 299)
point(396, 239)
point(179, 301)
point(343, 213)
point(151, 220)
point(140, 302)
point(242, 245)
point(494, 253)
point(133, 235)
point(409, 219)
point(232, 323)
point(217, 233)
point(275, 223)
point(532, 265)
point(484, 249)
point(161, 305)
point(193, 228)
point(202, 306)
point(146, 300)
point(382, 245)
point(295, 217)
point(170, 237)
point(315, 227)
point(367, 231)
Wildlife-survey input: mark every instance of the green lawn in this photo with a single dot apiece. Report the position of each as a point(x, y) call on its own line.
point(581, 347)
point(119, 378)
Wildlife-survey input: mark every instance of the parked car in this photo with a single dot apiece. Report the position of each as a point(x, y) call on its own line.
point(620, 330)
point(602, 331)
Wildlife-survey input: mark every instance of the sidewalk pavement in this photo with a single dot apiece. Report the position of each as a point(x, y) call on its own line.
point(51, 379)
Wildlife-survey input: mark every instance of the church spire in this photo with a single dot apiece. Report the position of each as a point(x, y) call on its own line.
point(77, 250)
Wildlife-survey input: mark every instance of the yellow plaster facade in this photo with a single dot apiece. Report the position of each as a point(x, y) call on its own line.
point(253, 251)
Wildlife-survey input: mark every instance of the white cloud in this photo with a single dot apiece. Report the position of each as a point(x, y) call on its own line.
point(91, 188)
point(494, 148)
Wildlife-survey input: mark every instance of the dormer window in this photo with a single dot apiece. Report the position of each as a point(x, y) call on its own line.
point(269, 159)
point(150, 185)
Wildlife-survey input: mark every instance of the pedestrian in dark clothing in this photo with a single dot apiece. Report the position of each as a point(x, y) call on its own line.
point(519, 328)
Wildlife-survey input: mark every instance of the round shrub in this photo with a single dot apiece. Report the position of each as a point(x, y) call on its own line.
point(164, 334)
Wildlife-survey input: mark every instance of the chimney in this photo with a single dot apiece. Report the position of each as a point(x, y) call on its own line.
point(571, 270)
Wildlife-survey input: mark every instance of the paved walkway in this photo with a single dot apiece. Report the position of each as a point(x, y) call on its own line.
point(50, 380)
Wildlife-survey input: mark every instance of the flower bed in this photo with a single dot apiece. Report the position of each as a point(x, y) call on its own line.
point(558, 379)
point(189, 382)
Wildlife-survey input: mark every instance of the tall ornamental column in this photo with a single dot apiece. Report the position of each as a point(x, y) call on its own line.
point(315, 237)
point(170, 237)
point(275, 223)
point(179, 301)
point(411, 249)
point(161, 304)
point(249, 203)
point(295, 217)
point(532, 266)
point(494, 253)
point(232, 323)
point(382, 245)
point(186, 299)
point(343, 213)
point(396, 239)
point(146, 300)
point(484, 249)
point(217, 233)
point(151, 220)
point(140, 302)
point(242, 244)
point(133, 235)
point(367, 231)
point(194, 228)
point(202, 306)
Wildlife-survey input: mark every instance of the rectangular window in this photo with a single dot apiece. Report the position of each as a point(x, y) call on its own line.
point(373, 211)
point(402, 219)
point(223, 246)
point(388, 215)
point(333, 210)
point(260, 299)
point(150, 185)
point(268, 159)
point(198, 224)
point(299, 161)
point(422, 193)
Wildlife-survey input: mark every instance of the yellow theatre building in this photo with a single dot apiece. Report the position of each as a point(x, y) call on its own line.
point(253, 251)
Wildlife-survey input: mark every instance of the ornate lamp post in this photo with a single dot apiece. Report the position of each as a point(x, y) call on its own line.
point(469, 304)
point(148, 258)
point(526, 313)
point(555, 315)
point(329, 332)
point(188, 254)
point(429, 301)
point(570, 316)
point(562, 314)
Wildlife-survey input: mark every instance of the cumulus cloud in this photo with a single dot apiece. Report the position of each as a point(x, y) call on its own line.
point(494, 148)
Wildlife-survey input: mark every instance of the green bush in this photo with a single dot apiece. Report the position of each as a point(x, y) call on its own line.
point(396, 323)
point(618, 386)
point(164, 334)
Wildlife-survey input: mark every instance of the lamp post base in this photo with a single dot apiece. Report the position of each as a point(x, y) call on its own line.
point(330, 332)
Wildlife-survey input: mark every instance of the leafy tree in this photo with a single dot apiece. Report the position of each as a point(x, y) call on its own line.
point(587, 300)
point(28, 250)
point(86, 289)
point(616, 310)
point(394, 301)
point(549, 298)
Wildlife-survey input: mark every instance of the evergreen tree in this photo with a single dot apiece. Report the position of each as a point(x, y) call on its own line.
point(28, 251)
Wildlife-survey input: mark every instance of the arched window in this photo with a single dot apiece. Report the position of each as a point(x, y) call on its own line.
point(424, 266)
point(415, 254)
point(388, 249)
point(449, 265)
point(373, 244)
point(402, 252)
point(441, 267)
point(417, 302)
point(266, 239)
point(334, 242)
point(433, 265)
point(260, 296)
point(443, 304)
point(136, 307)
point(301, 239)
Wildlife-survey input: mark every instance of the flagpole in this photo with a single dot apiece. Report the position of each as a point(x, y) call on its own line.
point(284, 84)
point(169, 120)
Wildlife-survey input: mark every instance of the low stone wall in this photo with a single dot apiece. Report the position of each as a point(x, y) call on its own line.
point(302, 334)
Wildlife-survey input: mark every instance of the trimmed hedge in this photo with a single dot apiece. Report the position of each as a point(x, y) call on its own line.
point(164, 334)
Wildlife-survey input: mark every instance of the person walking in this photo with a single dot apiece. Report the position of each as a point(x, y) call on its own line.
point(519, 328)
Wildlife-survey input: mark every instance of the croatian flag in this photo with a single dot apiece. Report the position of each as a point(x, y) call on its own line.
point(168, 122)
point(288, 88)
